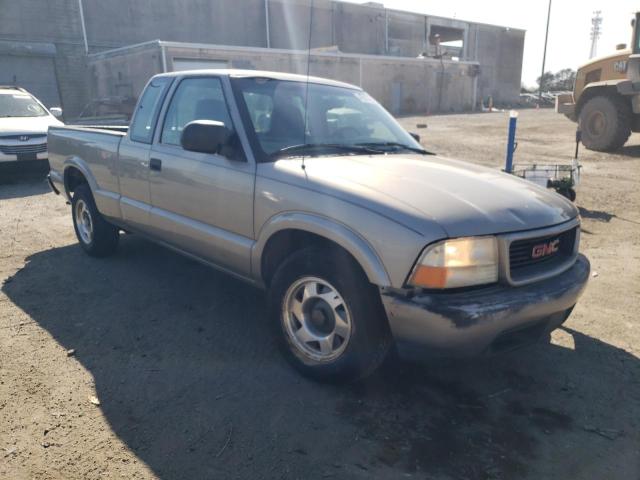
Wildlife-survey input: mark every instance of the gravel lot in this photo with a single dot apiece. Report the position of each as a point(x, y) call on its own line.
point(190, 384)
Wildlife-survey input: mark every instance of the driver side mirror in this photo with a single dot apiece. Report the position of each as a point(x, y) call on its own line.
point(56, 111)
point(205, 136)
point(415, 136)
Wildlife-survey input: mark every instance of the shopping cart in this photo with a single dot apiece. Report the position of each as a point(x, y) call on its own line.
point(564, 179)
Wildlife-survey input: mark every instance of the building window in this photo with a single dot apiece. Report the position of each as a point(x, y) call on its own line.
point(446, 42)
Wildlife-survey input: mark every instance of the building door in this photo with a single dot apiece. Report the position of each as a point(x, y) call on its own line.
point(34, 73)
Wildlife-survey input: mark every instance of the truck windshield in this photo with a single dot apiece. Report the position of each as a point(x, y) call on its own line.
point(14, 104)
point(291, 118)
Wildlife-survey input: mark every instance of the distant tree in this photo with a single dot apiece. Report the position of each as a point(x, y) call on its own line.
point(546, 80)
point(565, 79)
point(559, 81)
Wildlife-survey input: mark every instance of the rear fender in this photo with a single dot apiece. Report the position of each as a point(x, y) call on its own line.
point(79, 164)
point(107, 202)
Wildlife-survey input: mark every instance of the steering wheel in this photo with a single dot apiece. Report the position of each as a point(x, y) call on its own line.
point(346, 133)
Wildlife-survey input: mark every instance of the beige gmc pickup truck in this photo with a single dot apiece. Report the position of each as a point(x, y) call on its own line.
point(309, 189)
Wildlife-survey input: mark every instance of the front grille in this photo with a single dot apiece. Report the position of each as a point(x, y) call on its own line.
point(21, 136)
point(535, 255)
point(19, 149)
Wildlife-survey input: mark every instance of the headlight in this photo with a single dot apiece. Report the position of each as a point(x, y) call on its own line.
point(461, 262)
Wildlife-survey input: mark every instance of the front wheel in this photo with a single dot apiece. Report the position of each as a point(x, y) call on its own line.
point(605, 122)
point(97, 237)
point(329, 318)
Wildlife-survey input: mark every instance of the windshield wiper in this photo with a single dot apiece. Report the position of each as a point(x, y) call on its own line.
point(396, 145)
point(360, 148)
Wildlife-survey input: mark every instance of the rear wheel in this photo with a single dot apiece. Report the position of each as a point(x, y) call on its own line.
point(329, 318)
point(97, 237)
point(605, 122)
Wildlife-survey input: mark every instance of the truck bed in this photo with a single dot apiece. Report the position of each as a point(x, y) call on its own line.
point(91, 149)
point(120, 129)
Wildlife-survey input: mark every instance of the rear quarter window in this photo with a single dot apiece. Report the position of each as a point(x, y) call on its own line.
point(144, 119)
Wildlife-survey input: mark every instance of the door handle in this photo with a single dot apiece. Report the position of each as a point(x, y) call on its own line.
point(155, 164)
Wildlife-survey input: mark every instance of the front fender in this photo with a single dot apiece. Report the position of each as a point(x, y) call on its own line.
point(355, 244)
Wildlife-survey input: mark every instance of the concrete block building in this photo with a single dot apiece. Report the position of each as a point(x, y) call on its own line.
point(70, 52)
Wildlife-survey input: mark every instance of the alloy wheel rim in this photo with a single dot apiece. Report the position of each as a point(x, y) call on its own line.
point(84, 222)
point(316, 319)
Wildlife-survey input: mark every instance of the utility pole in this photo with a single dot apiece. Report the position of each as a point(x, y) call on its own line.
point(84, 28)
point(267, 25)
point(596, 23)
point(544, 56)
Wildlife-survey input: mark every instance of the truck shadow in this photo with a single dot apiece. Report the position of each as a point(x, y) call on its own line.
point(19, 187)
point(190, 380)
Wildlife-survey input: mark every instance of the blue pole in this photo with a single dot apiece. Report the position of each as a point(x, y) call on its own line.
point(511, 143)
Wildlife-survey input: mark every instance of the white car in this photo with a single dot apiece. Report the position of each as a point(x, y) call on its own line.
point(24, 122)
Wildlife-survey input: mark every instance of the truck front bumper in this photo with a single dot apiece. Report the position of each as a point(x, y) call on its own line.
point(42, 157)
point(487, 320)
point(11, 168)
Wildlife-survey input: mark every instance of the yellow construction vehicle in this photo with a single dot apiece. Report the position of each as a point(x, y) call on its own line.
point(606, 97)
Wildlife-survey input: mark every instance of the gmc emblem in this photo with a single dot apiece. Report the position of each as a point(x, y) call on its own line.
point(23, 138)
point(545, 249)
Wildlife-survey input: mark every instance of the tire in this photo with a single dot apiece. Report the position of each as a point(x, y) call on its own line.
point(97, 237)
point(327, 289)
point(605, 122)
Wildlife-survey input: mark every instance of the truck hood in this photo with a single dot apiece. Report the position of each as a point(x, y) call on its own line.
point(33, 125)
point(417, 191)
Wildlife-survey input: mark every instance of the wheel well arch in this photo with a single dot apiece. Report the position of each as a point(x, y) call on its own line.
point(285, 242)
point(312, 229)
point(73, 177)
point(596, 91)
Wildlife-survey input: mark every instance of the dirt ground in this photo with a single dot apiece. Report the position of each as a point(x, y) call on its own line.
point(190, 384)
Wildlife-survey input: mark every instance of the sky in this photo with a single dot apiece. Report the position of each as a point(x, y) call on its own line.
point(569, 30)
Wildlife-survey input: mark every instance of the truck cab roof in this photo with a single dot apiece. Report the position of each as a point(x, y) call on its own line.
point(238, 73)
